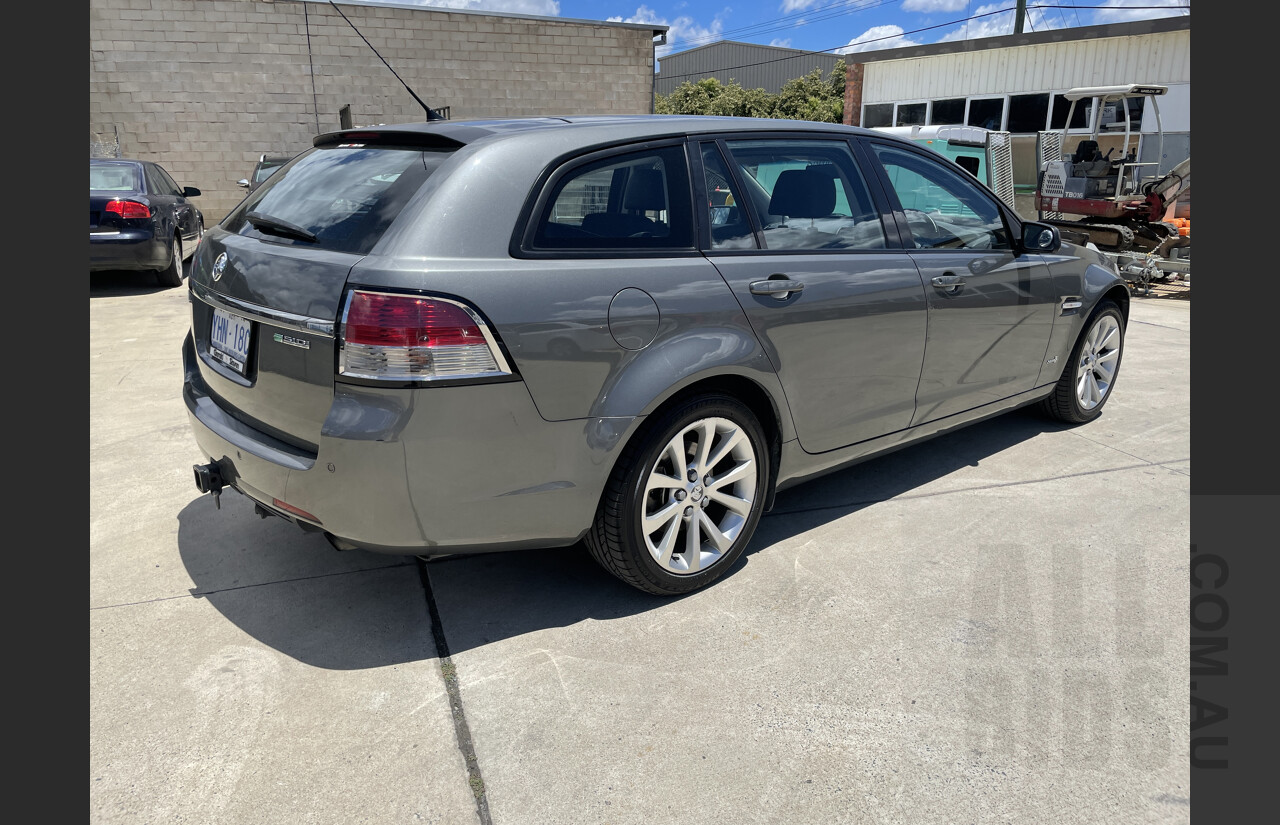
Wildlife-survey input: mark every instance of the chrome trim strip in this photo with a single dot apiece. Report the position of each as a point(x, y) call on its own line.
point(274, 317)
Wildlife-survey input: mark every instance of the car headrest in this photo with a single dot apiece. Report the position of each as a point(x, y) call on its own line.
point(646, 190)
point(803, 193)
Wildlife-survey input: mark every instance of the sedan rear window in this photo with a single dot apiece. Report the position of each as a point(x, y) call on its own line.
point(114, 177)
point(344, 196)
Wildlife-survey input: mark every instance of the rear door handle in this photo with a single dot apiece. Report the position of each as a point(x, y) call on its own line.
point(949, 283)
point(777, 287)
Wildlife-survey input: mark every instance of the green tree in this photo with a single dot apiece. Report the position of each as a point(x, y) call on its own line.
point(711, 97)
point(812, 98)
point(802, 98)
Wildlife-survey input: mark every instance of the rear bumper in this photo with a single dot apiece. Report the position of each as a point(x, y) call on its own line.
point(127, 249)
point(410, 471)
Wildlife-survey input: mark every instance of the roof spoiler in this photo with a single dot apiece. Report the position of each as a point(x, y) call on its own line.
point(387, 137)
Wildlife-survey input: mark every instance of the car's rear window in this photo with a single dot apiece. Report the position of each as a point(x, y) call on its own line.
point(114, 177)
point(346, 196)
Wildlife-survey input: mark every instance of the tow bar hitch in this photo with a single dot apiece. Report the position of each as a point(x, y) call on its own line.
point(209, 480)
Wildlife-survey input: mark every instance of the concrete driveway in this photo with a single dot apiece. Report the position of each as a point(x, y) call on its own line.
point(989, 627)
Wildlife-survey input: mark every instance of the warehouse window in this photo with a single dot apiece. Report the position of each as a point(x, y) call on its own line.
point(948, 112)
point(877, 114)
point(1113, 115)
point(986, 112)
point(1080, 120)
point(910, 114)
point(1028, 113)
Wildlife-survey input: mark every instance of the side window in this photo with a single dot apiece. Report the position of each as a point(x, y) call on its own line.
point(969, 164)
point(158, 182)
point(943, 209)
point(808, 194)
point(727, 213)
point(170, 188)
point(154, 186)
point(633, 201)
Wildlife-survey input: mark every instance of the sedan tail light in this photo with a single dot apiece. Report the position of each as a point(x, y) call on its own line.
point(394, 337)
point(128, 209)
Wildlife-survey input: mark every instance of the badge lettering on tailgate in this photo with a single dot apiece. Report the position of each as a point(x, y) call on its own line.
point(291, 341)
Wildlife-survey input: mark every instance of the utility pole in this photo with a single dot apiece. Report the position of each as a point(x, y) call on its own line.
point(1019, 16)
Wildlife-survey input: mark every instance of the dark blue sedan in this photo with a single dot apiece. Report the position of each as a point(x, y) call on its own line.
point(140, 219)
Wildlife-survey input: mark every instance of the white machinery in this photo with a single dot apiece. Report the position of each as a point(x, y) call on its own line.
point(1124, 206)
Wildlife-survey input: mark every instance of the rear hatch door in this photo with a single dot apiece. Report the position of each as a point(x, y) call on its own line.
point(267, 285)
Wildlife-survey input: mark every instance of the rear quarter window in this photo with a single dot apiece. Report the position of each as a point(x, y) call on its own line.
point(629, 201)
point(346, 196)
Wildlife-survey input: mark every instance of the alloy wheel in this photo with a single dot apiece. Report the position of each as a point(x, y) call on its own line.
point(1099, 358)
point(698, 495)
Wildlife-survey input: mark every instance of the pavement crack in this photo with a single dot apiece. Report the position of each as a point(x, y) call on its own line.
point(1161, 326)
point(1120, 451)
point(449, 672)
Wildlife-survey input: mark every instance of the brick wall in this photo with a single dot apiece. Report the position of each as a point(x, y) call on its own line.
point(204, 87)
point(853, 94)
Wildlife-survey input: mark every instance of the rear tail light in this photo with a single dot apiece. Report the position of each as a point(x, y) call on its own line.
point(128, 209)
point(416, 338)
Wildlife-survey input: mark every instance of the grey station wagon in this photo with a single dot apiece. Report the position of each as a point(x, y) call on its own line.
point(468, 336)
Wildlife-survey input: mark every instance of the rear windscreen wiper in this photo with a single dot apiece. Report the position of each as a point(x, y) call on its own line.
point(275, 226)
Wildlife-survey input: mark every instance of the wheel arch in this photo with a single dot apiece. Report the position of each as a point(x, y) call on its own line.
point(1120, 295)
point(768, 409)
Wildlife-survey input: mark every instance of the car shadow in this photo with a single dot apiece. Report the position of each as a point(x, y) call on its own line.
point(115, 283)
point(352, 610)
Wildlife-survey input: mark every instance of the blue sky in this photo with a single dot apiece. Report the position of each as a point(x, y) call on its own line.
point(828, 25)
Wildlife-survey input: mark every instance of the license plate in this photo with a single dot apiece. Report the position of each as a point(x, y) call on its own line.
point(229, 339)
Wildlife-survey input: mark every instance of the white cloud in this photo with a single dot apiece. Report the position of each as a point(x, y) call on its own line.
point(783, 42)
point(995, 25)
point(877, 37)
point(683, 32)
point(926, 6)
point(789, 6)
point(1117, 13)
point(546, 8)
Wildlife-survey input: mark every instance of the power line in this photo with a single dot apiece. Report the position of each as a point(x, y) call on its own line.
point(817, 14)
point(1063, 17)
point(896, 36)
point(813, 15)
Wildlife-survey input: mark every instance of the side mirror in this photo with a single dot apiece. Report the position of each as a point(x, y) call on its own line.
point(190, 192)
point(243, 182)
point(1040, 237)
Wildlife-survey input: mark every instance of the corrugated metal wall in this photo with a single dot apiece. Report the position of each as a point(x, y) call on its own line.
point(730, 60)
point(1154, 58)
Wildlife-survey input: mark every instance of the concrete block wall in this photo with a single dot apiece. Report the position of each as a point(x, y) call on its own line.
point(204, 87)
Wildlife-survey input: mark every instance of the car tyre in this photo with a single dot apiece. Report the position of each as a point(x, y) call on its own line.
point(1091, 371)
point(171, 275)
point(661, 526)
